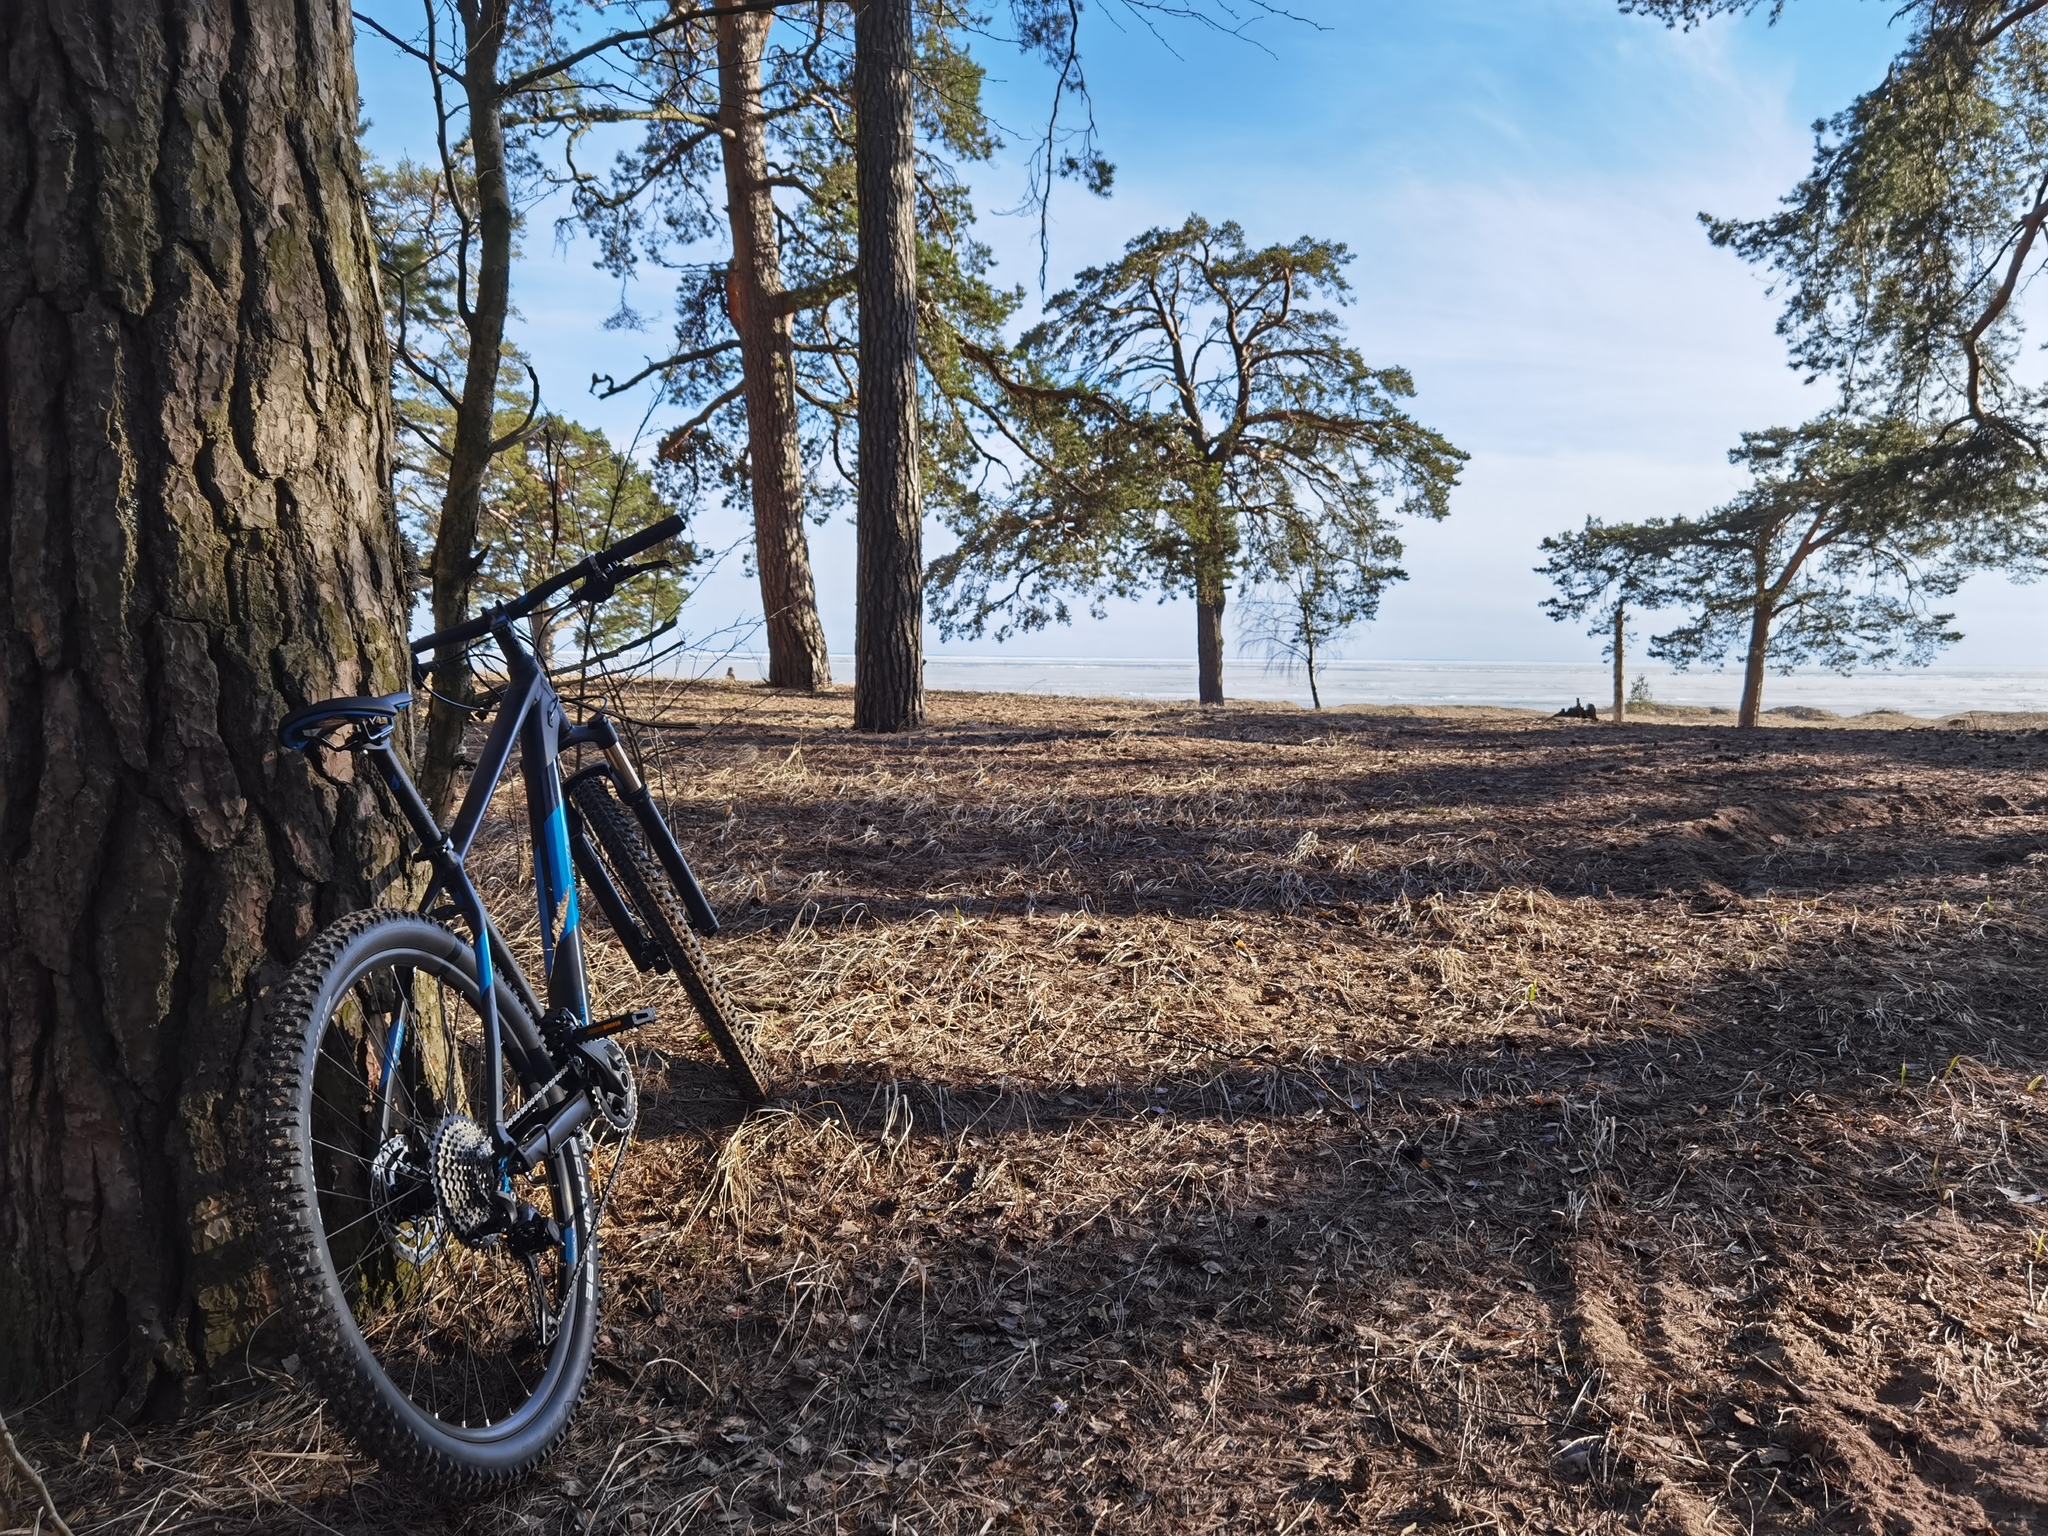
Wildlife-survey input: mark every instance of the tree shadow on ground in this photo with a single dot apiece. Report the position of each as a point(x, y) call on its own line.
point(1671, 1275)
point(1460, 1207)
point(1654, 1279)
point(1154, 829)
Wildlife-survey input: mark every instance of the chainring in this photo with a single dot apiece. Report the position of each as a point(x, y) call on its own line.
point(616, 1100)
point(600, 1065)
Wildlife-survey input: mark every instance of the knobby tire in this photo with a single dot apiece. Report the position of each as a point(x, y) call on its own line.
point(650, 892)
point(451, 1460)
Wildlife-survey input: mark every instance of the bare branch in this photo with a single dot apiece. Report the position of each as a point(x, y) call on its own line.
point(404, 47)
point(680, 360)
point(540, 74)
point(676, 437)
point(499, 445)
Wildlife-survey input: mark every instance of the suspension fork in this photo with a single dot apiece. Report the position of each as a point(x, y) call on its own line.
point(599, 732)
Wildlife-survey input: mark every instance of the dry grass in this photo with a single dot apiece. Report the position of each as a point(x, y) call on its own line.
point(1250, 1119)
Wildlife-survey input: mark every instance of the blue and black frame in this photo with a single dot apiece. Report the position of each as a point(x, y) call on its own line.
point(539, 1036)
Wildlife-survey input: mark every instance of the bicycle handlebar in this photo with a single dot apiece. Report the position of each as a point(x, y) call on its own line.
point(601, 568)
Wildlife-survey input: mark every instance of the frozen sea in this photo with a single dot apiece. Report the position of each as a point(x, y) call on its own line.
point(1931, 691)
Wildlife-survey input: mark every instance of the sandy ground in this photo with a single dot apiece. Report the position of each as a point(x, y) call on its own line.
point(1253, 1119)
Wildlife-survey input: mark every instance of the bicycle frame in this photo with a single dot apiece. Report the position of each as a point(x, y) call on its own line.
point(530, 717)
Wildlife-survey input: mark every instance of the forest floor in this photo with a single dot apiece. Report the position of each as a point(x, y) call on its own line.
point(1256, 1119)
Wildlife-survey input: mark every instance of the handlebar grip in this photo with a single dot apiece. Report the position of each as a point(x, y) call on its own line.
point(646, 538)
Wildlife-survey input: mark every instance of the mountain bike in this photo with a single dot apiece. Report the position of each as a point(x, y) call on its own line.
point(428, 1120)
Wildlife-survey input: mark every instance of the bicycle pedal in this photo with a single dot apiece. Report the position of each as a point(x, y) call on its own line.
point(616, 1025)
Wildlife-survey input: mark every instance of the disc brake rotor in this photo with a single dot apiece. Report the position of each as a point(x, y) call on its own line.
point(402, 1199)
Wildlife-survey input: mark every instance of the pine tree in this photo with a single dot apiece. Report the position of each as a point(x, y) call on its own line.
point(199, 538)
point(1188, 418)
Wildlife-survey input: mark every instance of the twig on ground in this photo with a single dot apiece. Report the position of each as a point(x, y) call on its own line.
point(35, 1479)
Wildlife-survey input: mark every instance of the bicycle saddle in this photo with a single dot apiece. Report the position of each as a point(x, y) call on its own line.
point(298, 728)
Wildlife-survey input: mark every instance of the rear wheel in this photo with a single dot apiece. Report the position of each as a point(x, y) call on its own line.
point(445, 1307)
point(652, 894)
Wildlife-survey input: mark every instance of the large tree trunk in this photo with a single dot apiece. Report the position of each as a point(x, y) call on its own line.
point(888, 665)
point(760, 318)
point(194, 462)
point(1620, 663)
point(455, 560)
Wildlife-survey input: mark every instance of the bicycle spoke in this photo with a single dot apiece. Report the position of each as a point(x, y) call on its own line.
point(340, 1151)
point(445, 1333)
point(464, 1332)
point(334, 1232)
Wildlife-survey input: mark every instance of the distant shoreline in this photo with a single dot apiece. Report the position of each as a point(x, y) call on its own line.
point(1781, 717)
point(1929, 695)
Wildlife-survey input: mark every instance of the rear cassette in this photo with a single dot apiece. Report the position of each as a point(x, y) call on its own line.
point(464, 1168)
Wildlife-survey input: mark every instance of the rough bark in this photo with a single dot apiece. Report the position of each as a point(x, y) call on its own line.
point(455, 559)
point(888, 681)
point(760, 318)
point(1620, 663)
point(194, 462)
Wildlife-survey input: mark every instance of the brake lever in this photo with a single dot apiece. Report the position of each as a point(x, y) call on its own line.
point(601, 584)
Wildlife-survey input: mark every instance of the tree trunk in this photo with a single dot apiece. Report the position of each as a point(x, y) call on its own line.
point(1620, 665)
point(1308, 636)
point(888, 667)
point(1209, 641)
point(754, 299)
point(1211, 531)
point(1759, 643)
point(455, 559)
point(194, 471)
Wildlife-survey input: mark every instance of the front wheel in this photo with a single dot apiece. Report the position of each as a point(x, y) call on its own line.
point(445, 1308)
point(653, 896)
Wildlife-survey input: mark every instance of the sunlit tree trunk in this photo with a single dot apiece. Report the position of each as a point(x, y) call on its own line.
point(888, 682)
point(1209, 596)
point(756, 302)
point(194, 473)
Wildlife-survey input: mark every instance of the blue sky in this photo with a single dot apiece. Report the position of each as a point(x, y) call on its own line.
point(1518, 180)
